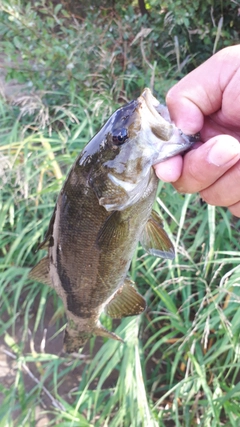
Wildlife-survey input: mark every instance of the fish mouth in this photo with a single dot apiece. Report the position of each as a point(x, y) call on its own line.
point(156, 114)
point(146, 110)
point(155, 119)
point(151, 102)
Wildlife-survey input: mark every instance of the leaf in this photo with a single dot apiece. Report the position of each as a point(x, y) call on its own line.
point(57, 8)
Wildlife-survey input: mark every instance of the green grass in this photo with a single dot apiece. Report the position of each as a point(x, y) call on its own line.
point(180, 364)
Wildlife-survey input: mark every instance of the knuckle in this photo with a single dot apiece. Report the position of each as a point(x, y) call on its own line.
point(196, 176)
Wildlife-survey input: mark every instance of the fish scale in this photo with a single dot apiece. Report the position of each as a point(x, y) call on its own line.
point(102, 211)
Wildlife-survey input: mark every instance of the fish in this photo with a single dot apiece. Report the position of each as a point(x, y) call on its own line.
point(103, 210)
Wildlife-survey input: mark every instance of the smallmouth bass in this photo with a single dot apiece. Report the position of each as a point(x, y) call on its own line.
point(104, 208)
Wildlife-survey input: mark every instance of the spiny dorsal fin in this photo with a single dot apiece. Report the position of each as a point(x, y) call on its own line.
point(126, 302)
point(155, 240)
point(41, 272)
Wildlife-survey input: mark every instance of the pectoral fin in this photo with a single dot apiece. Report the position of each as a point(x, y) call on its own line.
point(41, 272)
point(112, 229)
point(125, 302)
point(155, 240)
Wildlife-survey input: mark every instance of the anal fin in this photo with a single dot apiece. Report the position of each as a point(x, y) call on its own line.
point(41, 272)
point(125, 302)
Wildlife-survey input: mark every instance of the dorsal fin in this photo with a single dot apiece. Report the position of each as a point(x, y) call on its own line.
point(125, 302)
point(41, 272)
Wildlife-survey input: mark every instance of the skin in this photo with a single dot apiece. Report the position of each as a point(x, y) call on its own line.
point(208, 100)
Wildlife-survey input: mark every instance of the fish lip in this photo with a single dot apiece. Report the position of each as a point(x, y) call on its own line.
point(154, 116)
point(151, 102)
point(174, 141)
point(178, 144)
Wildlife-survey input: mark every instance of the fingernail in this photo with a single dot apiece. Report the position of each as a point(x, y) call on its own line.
point(223, 151)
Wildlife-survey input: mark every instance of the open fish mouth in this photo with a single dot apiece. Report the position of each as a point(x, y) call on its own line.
point(156, 122)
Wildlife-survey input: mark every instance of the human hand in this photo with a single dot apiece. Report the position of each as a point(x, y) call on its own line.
point(208, 100)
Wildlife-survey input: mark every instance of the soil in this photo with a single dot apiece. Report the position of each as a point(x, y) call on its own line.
point(43, 341)
point(43, 337)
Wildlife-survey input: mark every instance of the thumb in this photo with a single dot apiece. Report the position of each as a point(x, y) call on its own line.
point(200, 93)
point(203, 166)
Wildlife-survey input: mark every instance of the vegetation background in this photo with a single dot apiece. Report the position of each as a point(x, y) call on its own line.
point(65, 67)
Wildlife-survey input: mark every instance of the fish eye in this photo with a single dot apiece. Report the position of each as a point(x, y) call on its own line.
point(120, 136)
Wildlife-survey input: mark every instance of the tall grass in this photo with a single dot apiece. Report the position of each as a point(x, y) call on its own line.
point(180, 363)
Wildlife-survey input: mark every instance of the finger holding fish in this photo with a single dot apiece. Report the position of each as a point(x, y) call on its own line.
point(222, 166)
point(207, 100)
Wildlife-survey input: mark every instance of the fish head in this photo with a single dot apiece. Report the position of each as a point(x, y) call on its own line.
point(120, 157)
